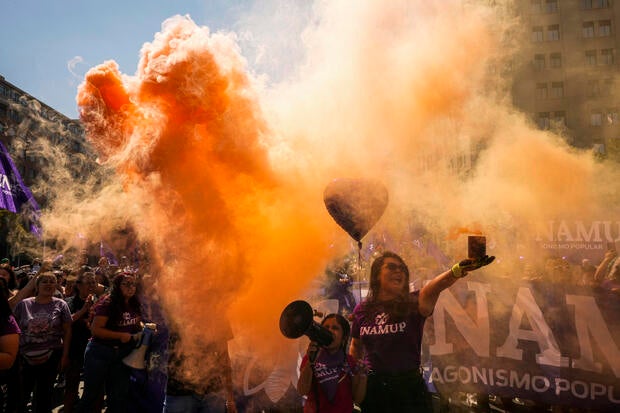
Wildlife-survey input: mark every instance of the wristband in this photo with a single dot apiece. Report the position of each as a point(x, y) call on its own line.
point(457, 271)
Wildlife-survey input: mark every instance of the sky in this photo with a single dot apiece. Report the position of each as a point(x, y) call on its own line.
point(53, 43)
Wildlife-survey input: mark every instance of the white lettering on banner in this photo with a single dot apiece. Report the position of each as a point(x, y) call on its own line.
point(525, 305)
point(590, 325)
point(599, 231)
point(568, 246)
point(476, 332)
point(510, 378)
point(4, 184)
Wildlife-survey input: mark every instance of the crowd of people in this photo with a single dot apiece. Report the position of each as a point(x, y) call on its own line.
point(61, 326)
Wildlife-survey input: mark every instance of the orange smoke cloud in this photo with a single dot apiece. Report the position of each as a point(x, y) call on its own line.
point(186, 133)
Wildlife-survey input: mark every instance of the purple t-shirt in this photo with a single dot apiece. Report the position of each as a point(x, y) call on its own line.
point(41, 324)
point(9, 326)
point(331, 382)
point(391, 346)
point(129, 321)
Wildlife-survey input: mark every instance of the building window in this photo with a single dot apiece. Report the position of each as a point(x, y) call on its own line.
point(596, 119)
point(595, 4)
point(604, 28)
point(536, 6)
point(588, 29)
point(612, 116)
point(553, 32)
point(593, 88)
point(608, 87)
point(557, 89)
point(559, 118)
point(551, 6)
point(537, 34)
point(555, 60)
point(539, 61)
point(607, 56)
point(542, 120)
point(591, 57)
point(541, 91)
point(598, 148)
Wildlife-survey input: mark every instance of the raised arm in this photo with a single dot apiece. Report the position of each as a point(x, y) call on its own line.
point(429, 294)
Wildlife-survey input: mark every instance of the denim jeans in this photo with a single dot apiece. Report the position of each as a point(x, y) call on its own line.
point(104, 369)
point(211, 403)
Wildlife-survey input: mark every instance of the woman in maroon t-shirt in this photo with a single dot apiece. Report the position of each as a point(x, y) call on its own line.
point(117, 318)
point(387, 332)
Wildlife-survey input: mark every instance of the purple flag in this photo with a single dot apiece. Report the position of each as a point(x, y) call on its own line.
point(105, 251)
point(15, 196)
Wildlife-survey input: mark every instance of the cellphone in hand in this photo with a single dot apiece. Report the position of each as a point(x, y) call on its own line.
point(476, 246)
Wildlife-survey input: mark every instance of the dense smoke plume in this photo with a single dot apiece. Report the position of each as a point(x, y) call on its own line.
point(221, 170)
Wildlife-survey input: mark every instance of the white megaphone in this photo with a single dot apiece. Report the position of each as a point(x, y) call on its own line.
point(135, 359)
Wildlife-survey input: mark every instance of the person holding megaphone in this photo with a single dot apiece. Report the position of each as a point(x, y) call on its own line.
point(116, 322)
point(387, 332)
point(331, 379)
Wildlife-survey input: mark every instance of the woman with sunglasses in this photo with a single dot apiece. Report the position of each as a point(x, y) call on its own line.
point(117, 318)
point(387, 332)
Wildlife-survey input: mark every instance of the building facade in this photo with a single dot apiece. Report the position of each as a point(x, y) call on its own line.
point(568, 73)
point(24, 120)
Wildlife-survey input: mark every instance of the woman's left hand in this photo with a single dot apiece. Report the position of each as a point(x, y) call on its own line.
point(230, 406)
point(64, 363)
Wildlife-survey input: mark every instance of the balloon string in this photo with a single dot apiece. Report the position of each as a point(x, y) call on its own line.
point(359, 266)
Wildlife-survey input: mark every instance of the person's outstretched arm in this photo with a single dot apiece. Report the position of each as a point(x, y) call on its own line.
point(429, 294)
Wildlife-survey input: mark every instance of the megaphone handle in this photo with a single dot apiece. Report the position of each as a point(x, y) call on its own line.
point(312, 356)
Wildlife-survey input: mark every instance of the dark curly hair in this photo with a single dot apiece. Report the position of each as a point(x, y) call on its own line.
point(5, 308)
point(12, 283)
point(117, 301)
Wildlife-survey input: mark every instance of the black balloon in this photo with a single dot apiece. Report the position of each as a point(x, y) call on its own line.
point(355, 204)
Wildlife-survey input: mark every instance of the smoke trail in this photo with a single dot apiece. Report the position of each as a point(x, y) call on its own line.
point(224, 175)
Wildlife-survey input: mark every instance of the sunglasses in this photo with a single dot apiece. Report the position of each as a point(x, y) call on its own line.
point(392, 266)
